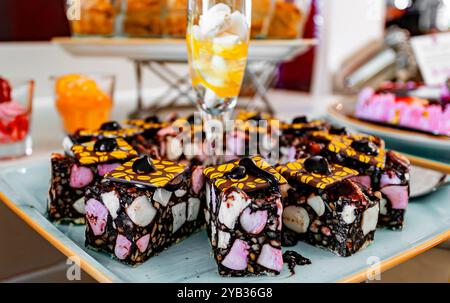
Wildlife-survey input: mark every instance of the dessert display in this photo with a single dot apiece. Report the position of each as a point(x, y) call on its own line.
point(286, 22)
point(84, 165)
point(218, 47)
point(14, 117)
point(97, 17)
point(143, 18)
point(401, 106)
point(262, 12)
point(244, 217)
point(141, 208)
point(323, 207)
point(82, 102)
point(175, 22)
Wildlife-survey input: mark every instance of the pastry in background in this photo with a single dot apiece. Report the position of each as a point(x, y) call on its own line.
point(262, 12)
point(143, 17)
point(175, 21)
point(97, 17)
point(286, 21)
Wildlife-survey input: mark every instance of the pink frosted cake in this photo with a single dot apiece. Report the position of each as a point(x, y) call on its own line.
point(400, 107)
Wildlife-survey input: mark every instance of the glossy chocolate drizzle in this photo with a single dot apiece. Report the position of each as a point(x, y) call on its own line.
point(143, 165)
point(112, 125)
point(252, 169)
point(105, 145)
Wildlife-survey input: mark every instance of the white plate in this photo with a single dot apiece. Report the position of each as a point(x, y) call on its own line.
point(175, 49)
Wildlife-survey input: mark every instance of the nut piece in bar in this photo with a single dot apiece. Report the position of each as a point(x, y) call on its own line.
point(143, 207)
point(324, 208)
point(244, 217)
point(72, 174)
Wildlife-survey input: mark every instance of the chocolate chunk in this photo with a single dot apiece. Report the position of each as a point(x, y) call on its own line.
point(292, 258)
point(318, 165)
point(175, 184)
point(300, 119)
point(288, 238)
point(336, 130)
point(365, 146)
point(143, 165)
point(105, 145)
point(252, 168)
point(152, 119)
point(113, 125)
point(237, 172)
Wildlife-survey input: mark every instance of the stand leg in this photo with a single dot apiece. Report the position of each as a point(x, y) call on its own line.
point(262, 83)
point(140, 101)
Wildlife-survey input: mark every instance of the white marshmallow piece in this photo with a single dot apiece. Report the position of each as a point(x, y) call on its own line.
point(383, 206)
point(231, 208)
point(141, 211)
point(174, 148)
point(223, 239)
point(348, 214)
point(180, 193)
point(193, 209)
point(317, 204)
point(79, 206)
point(112, 203)
point(67, 145)
point(162, 196)
point(370, 219)
point(179, 216)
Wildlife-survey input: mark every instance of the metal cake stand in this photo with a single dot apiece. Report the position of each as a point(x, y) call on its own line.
point(156, 55)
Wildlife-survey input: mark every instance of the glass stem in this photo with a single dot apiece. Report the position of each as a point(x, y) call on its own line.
point(215, 131)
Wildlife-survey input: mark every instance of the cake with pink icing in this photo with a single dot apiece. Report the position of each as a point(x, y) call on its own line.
point(401, 107)
point(14, 124)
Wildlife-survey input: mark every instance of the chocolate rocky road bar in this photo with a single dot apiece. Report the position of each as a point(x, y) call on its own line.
point(324, 208)
point(386, 173)
point(243, 216)
point(85, 164)
point(143, 207)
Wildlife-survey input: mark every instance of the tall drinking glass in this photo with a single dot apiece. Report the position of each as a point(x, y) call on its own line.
point(217, 39)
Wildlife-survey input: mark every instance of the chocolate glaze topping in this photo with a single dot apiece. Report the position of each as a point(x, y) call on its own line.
point(112, 125)
point(105, 145)
point(317, 164)
point(143, 165)
point(365, 146)
point(253, 169)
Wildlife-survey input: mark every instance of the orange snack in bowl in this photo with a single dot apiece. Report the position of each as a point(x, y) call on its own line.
point(81, 103)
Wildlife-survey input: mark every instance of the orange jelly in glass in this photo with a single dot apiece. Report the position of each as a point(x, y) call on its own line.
point(81, 102)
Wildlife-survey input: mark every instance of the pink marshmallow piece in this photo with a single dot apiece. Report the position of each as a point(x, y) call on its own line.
point(271, 258)
point(80, 176)
point(397, 195)
point(237, 257)
point(97, 216)
point(253, 222)
point(122, 248)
